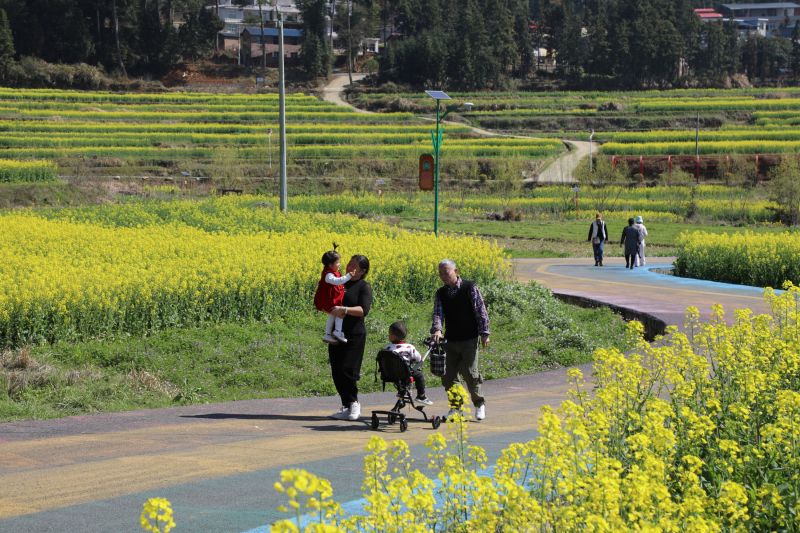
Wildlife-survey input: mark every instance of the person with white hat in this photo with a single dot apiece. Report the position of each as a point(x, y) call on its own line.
point(639, 225)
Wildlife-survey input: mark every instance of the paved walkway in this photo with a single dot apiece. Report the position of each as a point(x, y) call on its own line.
point(217, 463)
point(641, 290)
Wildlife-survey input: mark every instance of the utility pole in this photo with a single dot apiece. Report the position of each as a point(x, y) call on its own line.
point(282, 113)
point(269, 146)
point(263, 41)
point(330, 31)
point(697, 137)
point(697, 149)
point(349, 42)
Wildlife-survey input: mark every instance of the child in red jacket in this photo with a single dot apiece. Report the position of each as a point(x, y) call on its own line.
point(330, 293)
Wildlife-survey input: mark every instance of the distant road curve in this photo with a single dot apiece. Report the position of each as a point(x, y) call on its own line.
point(562, 170)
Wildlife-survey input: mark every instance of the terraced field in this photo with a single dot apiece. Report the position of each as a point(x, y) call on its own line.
point(87, 133)
point(643, 123)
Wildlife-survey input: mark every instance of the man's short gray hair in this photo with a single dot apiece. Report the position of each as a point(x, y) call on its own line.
point(447, 263)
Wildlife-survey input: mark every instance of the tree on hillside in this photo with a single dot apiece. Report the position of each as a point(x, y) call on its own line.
point(765, 57)
point(502, 54)
point(795, 56)
point(600, 62)
point(315, 50)
point(523, 37)
point(115, 13)
point(54, 30)
point(784, 189)
point(422, 59)
point(261, 4)
point(6, 46)
point(356, 21)
point(470, 59)
point(198, 33)
point(153, 36)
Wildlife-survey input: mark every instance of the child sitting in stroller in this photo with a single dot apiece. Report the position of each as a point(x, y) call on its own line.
point(398, 344)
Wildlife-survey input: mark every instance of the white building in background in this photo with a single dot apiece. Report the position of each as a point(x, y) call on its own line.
point(745, 26)
point(234, 15)
point(775, 18)
point(241, 33)
point(243, 19)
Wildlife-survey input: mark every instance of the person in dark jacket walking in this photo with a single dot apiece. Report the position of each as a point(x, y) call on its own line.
point(459, 306)
point(631, 239)
point(598, 235)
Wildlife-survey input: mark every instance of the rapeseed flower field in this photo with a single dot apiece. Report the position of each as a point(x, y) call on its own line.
point(93, 271)
point(762, 260)
point(699, 432)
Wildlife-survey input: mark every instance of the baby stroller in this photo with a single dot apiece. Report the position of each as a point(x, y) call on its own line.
point(394, 369)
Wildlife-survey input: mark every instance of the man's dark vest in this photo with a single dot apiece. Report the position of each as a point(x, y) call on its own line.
point(459, 316)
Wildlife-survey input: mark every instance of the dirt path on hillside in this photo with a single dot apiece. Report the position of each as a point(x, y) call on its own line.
point(560, 171)
point(333, 92)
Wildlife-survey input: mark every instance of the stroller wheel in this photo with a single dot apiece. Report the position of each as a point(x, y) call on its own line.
point(375, 421)
point(437, 421)
point(403, 425)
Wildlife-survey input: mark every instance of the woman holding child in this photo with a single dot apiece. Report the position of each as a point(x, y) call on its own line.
point(345, 357)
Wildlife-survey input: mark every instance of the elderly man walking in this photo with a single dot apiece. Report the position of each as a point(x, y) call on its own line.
point(459, 306)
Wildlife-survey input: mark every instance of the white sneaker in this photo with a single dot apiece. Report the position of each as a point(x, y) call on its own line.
point(424, 401)
point(342, 414)
point(480, 412)
point(329, 339)
point(339, 336)
point(354, 411)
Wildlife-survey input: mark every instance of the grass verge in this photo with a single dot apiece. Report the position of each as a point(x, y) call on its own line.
point(283, 357)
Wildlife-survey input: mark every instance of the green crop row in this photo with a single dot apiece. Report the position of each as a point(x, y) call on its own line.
point(301, 151)
point(19, 140)
point(665, 204)
point(335, 114)
point(708, 147)
point(100, 127)
point(319, 106)
point(743, 134)
point(14, 171)
point(366, 141)
point(712, 104)
point(637, 101)
point(141, 98)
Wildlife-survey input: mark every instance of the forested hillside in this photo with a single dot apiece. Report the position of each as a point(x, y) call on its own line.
point(457, 44)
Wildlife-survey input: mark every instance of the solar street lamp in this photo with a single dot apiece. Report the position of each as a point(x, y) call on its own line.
point(436, 138)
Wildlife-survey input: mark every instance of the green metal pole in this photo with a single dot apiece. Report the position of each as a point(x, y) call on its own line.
point(437, 142)
point(282, 116)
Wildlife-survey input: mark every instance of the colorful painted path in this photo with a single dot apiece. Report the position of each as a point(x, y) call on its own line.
point(217, 463)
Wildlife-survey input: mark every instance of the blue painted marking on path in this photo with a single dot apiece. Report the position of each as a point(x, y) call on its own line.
point(351, 508)
point(647, 272)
